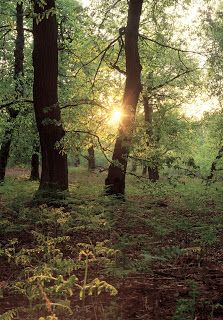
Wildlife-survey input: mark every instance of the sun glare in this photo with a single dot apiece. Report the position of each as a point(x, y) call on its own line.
point(85, 3)
point(115, 117)
point(199, 106)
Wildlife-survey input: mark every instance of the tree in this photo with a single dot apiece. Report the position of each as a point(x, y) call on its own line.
point(34, 174)
point(91, 158)
point(18, 77)
point(54, 175)
point(153, 170)
point(115, 181)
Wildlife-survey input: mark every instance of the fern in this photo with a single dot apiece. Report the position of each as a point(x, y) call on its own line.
point(8, 315)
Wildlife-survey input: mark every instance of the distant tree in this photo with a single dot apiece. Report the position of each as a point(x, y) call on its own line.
point(152, 168)
point(91, 158)
point(34, 174)
point(54, 175)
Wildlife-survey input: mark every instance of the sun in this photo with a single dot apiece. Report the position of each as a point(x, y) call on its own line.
point(115, 117)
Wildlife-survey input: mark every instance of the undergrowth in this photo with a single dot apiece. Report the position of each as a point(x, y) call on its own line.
point(64, 258)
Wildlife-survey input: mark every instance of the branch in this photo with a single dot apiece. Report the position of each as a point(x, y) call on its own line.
point(98, 55)
point(8, 104)
point(6, 26)
point(168, 46)
point(114, 66)
point(103, 56)
point(107, 12)
point(179, 57)
point(5, 34)
point(98, 67)
point(28, 30)
point(120, 50)
point(171, 79)
point(98, 139)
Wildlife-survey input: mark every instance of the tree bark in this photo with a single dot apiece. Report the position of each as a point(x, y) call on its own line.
point(115, 181)
point(54, 175)
point(18, 77)
point(34, 175)
point(91, 158)
point(153, 169)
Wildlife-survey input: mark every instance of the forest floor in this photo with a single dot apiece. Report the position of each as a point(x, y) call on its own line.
point(161, 249)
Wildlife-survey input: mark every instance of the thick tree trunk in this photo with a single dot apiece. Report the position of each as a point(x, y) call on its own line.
point(153, 169)
point(54, 175)
point(91, 158)
point(18, 77)
point(115, 181)
point(34, 175)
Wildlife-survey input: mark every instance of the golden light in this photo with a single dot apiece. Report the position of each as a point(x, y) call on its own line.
point(115, 117)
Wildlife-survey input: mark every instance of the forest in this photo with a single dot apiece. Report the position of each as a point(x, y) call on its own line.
point(111, 160)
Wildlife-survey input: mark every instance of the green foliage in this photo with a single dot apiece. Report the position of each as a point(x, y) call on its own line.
point(9, 315)
point(47, 280)
point(55, 244)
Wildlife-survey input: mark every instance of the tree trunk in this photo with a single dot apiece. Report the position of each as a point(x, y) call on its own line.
point(153, 173)
point(115, 181)
point(18, 75)
point(144, 169)
point(214, 164)
point(77, 161)
point(153, 169)
point(54, 175)
point(34, 176)
point(4, 152)
point(134, 165)
point(91, 158)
